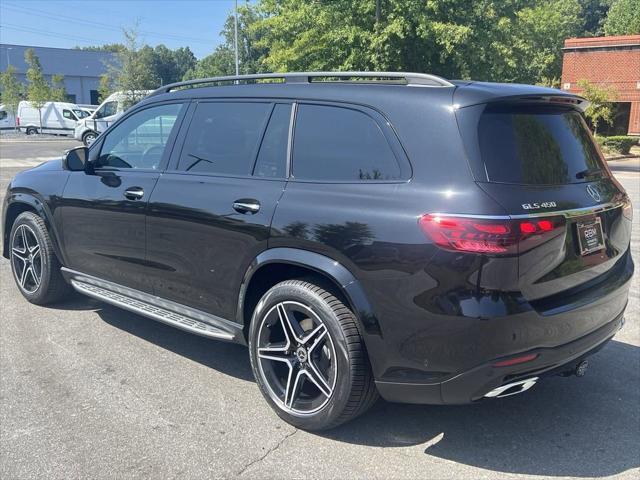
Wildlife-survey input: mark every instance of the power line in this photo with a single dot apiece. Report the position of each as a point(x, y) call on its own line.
point(44, 33)
point(65, 18)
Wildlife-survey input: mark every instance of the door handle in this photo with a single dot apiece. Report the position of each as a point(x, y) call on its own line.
point(134, 193)
point(246, 205)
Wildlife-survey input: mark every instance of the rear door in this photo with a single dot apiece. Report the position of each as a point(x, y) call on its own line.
point(210, 213)
point(540, 162)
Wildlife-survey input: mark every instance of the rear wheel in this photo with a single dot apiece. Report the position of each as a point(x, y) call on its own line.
point(31, 130)
point(35, 267)
point(308, 357)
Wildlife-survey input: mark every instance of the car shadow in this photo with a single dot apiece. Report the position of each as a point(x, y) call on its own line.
point(562, 427)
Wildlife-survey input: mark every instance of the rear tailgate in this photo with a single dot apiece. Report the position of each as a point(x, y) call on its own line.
point(538, 161)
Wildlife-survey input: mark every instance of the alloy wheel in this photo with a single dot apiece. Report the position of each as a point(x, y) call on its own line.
point(27, 259)
point(296, 358)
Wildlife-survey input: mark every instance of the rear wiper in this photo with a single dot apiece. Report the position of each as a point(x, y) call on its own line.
point(589, 172)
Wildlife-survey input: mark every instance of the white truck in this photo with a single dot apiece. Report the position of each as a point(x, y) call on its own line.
point(88, 129)
point(59, 118)
point(7, 120)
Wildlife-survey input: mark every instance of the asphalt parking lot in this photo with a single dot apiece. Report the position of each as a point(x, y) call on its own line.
point(91, 391)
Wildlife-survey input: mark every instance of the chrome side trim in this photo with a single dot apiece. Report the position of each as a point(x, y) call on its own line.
point(156, 308)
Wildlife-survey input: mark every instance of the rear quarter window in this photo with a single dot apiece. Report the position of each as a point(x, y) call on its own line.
point(341, 144)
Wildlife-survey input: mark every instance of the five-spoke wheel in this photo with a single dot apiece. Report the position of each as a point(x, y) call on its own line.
point(35, 266)
point(296, 357)
point(308, 356)
point(26, 258)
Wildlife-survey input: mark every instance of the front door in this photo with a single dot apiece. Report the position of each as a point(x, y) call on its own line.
point(210, 215)
point(103, 211)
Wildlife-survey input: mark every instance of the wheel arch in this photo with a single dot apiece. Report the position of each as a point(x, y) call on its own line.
point(277, 264)
point(19, 203)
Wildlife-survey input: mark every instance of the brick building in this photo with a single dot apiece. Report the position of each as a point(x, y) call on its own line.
point(613, 62)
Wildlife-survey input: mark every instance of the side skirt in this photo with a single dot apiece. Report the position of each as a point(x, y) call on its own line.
point(156, 308)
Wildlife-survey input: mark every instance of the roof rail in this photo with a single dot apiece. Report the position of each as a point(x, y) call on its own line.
point(404, 78)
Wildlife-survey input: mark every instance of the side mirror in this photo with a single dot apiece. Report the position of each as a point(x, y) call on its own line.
point(76, 159)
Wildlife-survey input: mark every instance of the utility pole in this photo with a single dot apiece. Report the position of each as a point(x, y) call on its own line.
point(235, 24)
point(377, 11)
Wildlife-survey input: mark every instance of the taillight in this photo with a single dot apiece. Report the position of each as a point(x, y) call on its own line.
point(490, 236)
point(18, 121)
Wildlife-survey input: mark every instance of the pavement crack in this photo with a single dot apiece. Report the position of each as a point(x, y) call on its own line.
point(267, 453)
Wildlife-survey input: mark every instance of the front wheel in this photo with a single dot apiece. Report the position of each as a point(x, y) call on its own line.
point(34, 264)
point(308, 357)
point(88, 138)
point(31, 130)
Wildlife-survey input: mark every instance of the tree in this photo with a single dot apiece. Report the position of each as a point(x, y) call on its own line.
point(623, 18)
point(11, 90)
point(250, 49)
point(105, 87)
point(58, 91)
point(503, 40)
point(594, 13)
point(600, 107)
point(133, 73)
point(38, 90)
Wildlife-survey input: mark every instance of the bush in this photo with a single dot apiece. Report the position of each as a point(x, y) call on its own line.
point(620, 143)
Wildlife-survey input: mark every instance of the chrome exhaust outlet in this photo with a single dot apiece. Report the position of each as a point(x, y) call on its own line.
point(512, 388)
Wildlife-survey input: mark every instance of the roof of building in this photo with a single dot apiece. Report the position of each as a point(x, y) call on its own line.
point(65, 61)
point(602, 42)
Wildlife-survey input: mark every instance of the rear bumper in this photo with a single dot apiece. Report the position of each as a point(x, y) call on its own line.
point(474, 384)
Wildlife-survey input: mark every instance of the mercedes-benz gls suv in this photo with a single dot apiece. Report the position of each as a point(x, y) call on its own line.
point(363, 234)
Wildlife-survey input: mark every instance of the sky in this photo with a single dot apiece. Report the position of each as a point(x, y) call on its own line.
point(66, 24)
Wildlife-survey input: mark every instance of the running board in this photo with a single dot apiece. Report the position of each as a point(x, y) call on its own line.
point(157, 309)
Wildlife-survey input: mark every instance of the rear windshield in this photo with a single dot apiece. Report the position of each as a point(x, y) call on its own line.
point(536, 145)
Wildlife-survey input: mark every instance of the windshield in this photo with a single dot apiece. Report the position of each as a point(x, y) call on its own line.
point(81, 113)
point(106, 110)
point(539, 145)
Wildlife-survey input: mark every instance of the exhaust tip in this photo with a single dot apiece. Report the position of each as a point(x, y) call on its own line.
point(513, 388)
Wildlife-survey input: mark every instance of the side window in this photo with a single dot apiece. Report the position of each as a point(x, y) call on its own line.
point(106, 110)
point(3, 115)
point(139, 141)
point(272, 157)
point(223, 138)
point(341, 144)
point(67, 114)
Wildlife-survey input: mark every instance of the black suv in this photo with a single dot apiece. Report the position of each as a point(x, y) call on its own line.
point(426, 240)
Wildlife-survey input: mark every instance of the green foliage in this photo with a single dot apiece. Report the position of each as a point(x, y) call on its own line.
point(623, 18)
point(108, 47)
point(504, 40)
point(38, 90)
point(105, 87)
point(250, 50)
point(58, 91)
point(619, 144)
point(600, 109)
point(11, 90)
point(594, 13)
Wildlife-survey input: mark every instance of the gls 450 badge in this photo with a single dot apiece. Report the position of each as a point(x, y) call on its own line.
point(536, 206)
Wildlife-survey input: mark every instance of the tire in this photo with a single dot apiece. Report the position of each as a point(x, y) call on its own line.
point(88, 138)
point(336, 384)
point(35, 267)
point(31, 130)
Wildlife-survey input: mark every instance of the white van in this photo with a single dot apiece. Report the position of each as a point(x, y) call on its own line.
point(57, 117)
point(7, 120)
point(88, 129)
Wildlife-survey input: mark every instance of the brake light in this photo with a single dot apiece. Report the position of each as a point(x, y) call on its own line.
point(490, 236)
point(18, 121)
